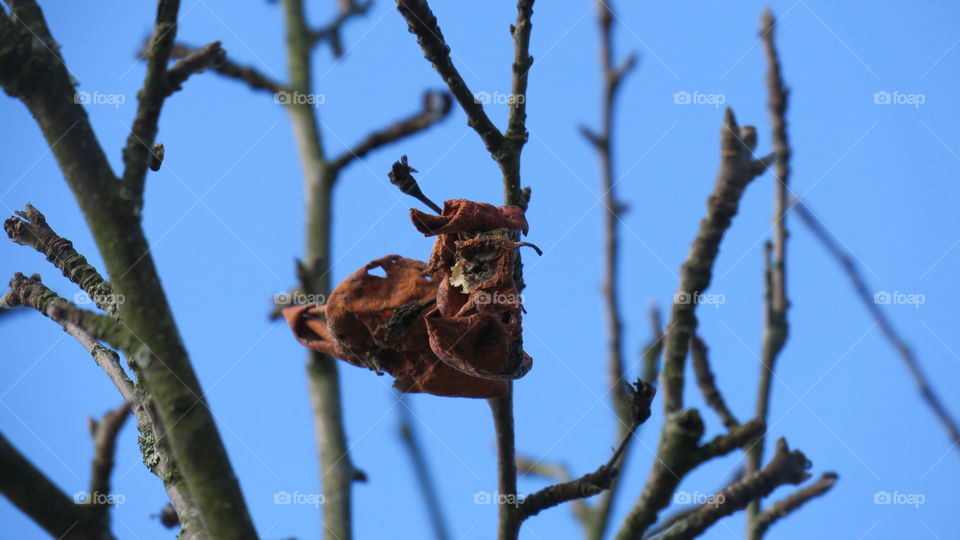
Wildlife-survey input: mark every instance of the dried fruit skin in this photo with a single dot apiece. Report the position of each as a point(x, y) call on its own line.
point(451, 327)
point(353, 330)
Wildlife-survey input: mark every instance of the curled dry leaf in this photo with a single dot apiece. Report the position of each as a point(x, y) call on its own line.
point(451, 327)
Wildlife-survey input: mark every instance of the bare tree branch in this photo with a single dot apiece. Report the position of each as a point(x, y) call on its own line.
point(31, 292)
point(31, 230)
point(678, 453)
point(651, 352)
point(639, 397)
point(150, 98)
point(331, 33)
point(104, 435)
point(421, 470)
point(708, 387)
point(865, 295)
point(775, 295)
point(422, 23)
point(737, 169)
point(157, 455)
point(211, 55)
point(38, 77)
point(782, 508)
point(603, 143)
point(246, 74)
point(786, 467)
point(436, 106)
point(36, 496)
point(557, 472)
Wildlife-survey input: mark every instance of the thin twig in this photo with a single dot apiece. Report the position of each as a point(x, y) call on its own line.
point(422, 23)
point(639, 397)
point(246, 74)
point(786, 467)
point(651, 352)
point(29, 228)
point(678, 453)
point(30, 291)
point(104, 435)
point(211, 55)
point(331, 33)
point(708, 387)
point(603, 142)
point(436, 106)
point(421, 469)
point(557, 472)
point(775, 305)
point(782, 508)
point(150, 98)
point(906, 353)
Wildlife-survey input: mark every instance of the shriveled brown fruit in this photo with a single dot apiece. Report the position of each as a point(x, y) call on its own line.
point(377, 322)
point(476, 325)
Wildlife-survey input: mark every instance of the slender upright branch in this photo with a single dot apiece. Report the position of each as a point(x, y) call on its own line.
point(611, 76)
point(104, 435)
point(505, 149)
point(36, 496)
point(421, 469)
point(776, 303)
point(508, 519)
point(737, 169)
point(150, 98)
point(786, 467)
point(896, 341)
point(651, 352)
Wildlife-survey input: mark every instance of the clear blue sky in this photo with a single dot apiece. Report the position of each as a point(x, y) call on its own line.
point(225, 218)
